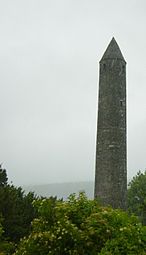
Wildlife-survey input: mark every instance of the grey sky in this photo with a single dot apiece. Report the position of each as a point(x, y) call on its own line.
point(49, 54)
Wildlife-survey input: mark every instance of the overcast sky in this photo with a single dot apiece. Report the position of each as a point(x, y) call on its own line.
point(49, 71)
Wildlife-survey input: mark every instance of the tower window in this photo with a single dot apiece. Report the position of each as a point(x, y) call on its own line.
point(104, 66)
point(121, 103)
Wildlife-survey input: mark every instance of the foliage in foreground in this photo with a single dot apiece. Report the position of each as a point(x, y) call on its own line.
point(16, 209)
point(137, 196)
point(80, 227)
point(77, 226)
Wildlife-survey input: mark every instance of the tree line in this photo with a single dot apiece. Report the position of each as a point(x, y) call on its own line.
point(31, 225)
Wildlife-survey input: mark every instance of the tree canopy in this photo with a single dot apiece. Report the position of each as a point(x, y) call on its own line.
point(82, 227)
point(16, 209)
point(137, 196)
point(78, 226)
point(3, 176)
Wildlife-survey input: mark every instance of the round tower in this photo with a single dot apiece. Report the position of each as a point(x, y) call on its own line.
point(111, 158)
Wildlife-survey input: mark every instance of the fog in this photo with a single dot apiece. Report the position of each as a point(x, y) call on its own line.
point(49, 70)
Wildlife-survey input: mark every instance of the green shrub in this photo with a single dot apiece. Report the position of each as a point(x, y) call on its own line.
point(81, 227)
point(137, 196)
point(16, 209)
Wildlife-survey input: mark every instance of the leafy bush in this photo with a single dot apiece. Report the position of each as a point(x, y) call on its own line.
point(16, 209)
point(3, 176)
point(5, 246)
point(137, 196)
point(1, 228)
point(81, 227)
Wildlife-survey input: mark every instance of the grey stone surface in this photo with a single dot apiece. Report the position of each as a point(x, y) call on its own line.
point(111, 158)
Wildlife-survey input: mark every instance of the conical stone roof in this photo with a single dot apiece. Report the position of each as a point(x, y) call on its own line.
point(113, 51)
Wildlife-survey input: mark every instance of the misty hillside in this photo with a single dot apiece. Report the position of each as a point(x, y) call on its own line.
point(61, 190)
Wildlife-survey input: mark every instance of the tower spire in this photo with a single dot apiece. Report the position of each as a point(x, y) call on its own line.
point(113, 51)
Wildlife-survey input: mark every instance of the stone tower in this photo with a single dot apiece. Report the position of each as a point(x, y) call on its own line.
point(111, 158)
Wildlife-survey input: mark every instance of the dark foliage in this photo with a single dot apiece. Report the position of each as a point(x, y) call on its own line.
point(3, 176)
point(16, 209)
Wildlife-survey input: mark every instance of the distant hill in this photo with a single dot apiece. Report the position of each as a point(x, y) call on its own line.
point(61, 190)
